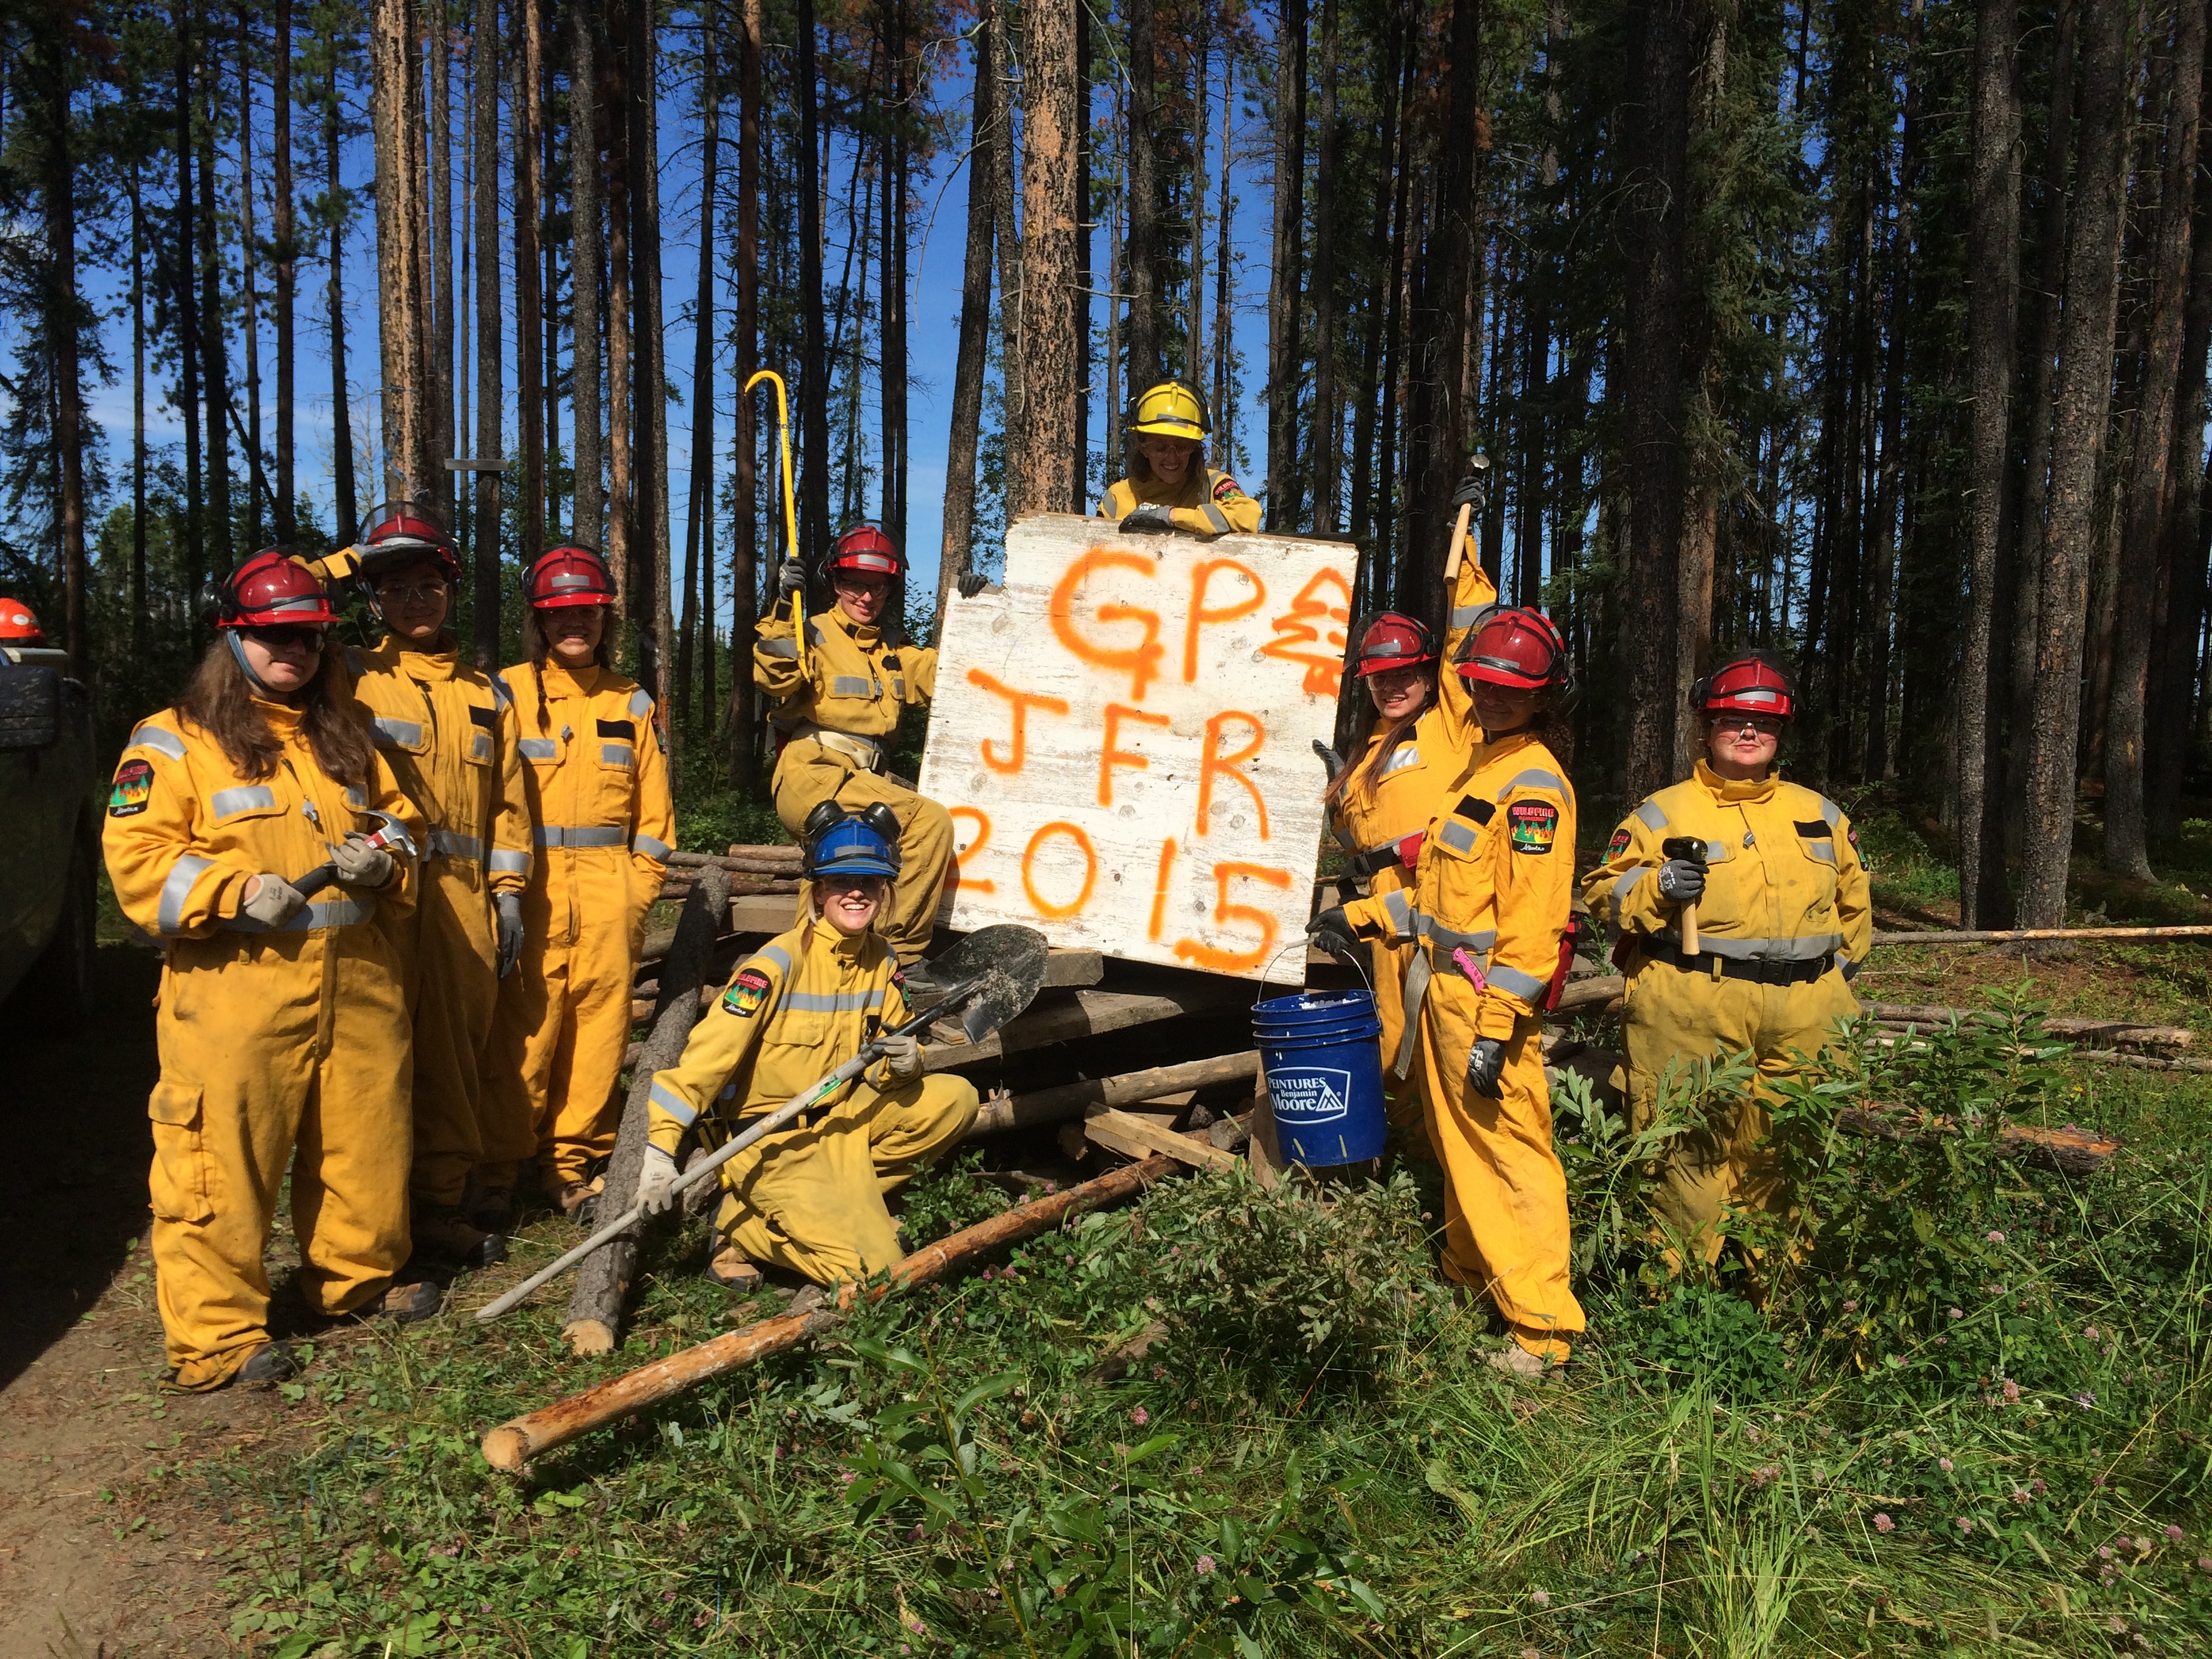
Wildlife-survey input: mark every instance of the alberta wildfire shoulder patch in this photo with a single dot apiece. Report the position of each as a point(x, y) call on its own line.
point(134, 782)
point(1534, 823)
point(747, 992)
point(1619, 842)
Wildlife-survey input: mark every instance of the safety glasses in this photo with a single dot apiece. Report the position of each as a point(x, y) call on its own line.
point(410, 593)
point(289, 637)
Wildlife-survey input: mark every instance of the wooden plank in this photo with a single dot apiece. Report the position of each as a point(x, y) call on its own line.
point(2018, 935)
point(1066, 969)
point(1137, 1137)
point(1072, 1100)
point(1088, 1013)
point(2126, 1032)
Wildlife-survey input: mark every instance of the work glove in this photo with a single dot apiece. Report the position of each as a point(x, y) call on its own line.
point(972, 584)
point(272, 900)
point(901, 1057)
point(509, 906)
point(656, 1182)
point(1329, 758)
point(790, 578)
point(1473, 490)
point(361, 865)
point(1486, 1063)
point(1681, 880)
point(1150, 516)
point(1332, 931)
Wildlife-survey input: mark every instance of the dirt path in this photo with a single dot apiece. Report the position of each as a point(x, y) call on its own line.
point(103, 1549)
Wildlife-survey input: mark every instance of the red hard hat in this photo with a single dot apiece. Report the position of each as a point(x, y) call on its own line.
point(865, 548)
point(568, 575)
point(397, 533)
point(272, 589)
point(1750, 683)
point(18, 626)
point(1394, 640)
point(1518, 647)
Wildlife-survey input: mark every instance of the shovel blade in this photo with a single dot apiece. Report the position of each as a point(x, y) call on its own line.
point(1009, 959)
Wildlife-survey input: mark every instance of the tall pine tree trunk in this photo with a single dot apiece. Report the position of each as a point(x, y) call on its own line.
point(2077, 446)
point(1014, 294)
point(284, 233)
point(491, 398)
point(138, 617)
point(1143, 251)
point(622, 522)
point(348, 506)
point(399, 329)
point(215, 354)
point(64, 319)
point(529, 300)
point(656, 659)
point(1451, 278)
point(588, 511)
point(1285, 497)
point(1992, 319)
point(1328, 462)
point(249, 259)
point(814, 361)
point(1080, 297)
point(440, 484)
point(968, 362)
point(744, 585)
point(1046, 434)
point(699, 527)
point(891, 283)
point(187, 314)
point(2146, 507)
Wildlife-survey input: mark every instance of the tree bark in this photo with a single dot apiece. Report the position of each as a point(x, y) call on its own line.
point(2077, 443)
point(1143, 253)
point(813, 362)
point(1080, 297)
point(1327, 469)
point(2149, 491)
point(622, 518)
point(214, 355)
point(699, 528)
point(891, 283)
point(745, 485)
point(1046, 434)
point(656, 661)
point(249, 258)
point(64, 319)
point(398, 322)
point(138, 615)
point(348, 506)
point(187, 314)
point(284, 233)
point(1992, 319)
point(528, 301)
point(1285, 499)
point(956, 548)
point(1013, 337)
point(491, 398)
point(1652, 390)
point(440, 484)
point(587, 509)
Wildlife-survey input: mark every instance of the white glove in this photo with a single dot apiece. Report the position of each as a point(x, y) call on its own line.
point(270, 900)
point(509, 907)
point(656, 1182)
point(361, 865)
point(901, 1057)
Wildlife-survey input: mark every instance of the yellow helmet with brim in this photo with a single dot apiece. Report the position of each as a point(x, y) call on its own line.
point(1172, 409)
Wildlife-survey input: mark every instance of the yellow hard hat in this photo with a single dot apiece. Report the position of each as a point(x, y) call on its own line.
point(1172, 409)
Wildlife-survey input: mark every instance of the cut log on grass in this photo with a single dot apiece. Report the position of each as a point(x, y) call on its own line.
point(2126, 1033)
point(2070, 1152)
point(595, 1307)
point(1588, 996)
point(1140, 1136)
point(1073, 1100)
point(513, 1443)
point(2024, 935)
point(742, 861)
point(1091, 1013)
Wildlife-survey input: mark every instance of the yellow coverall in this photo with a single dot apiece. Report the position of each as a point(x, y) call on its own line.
point(1495, 882)
point(597, 795)
point(811, 1197)
point(1205, 502)
point(284, 1046)
point(448, 733)
point(1786, 899)
point(1387, 807)
point(837, 714)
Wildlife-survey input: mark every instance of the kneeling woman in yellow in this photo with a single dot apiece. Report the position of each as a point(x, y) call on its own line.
point(1169, 487)
point(283, 1021)
point(599, 799)
point(1783, 917)
point(1489, 913)
point(810, 1198)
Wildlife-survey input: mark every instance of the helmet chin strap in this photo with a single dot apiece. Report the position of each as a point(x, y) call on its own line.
point(238, 654)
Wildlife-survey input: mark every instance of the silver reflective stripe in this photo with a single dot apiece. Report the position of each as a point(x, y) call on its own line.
point(480, 747)
point(1810, 948)
point(537, 748)
point(1458, 836)
point(776, 647)
point(1831, 811)
point(1851, 969)
point(503, 862)
point(1217, 518)
point(355, 798)
point(1514, 983)
point(1534, 778)
point(246, 798)
point(814, 630)
point(1718, 852)
point(639, 705)
point(1653, 815)
point(406, 733)
point(849, 685)
point(1622, 888)
point(617, 754)
point(315, 919)
point(187, 869)
point(1820, 852)
point(453, 846)
point(1448, 939)
point(775, 953)
point(673, 1104)
point(1412, 993)
point(161, 742)
point(500, 695)
point(898, 687)
point(1404, 924)
point(554, 834)
point(1405, 755)
point(831, 1002)
point(650, 848)
point(1466, 616)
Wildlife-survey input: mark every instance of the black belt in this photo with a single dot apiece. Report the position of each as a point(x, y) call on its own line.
point(1759, 972)
point(1366, 864)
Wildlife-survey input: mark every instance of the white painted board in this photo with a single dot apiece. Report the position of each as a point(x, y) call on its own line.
point(1123, 733)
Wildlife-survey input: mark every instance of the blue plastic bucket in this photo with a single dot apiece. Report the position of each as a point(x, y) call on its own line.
point(1321, 1054)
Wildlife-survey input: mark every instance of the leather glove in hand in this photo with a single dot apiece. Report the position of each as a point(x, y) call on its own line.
point(361, 865)
point(1331, 930)
point(972, 584)
point(903, 1058)
point(1681, 880)
point(790, 578)
point(656, 1182)
point(1150, 516)
point(271, 900)
point(1329, 758)
point(1473, 490)
point(509, 906)
point(1486, 1063)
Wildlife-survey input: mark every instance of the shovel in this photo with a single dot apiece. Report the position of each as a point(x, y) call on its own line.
point(996, 971)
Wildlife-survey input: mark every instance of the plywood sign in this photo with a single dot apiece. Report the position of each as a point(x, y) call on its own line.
point(1123, 735)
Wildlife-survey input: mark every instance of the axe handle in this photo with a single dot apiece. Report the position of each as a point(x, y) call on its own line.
point(1458, 541)
point(1690, 928)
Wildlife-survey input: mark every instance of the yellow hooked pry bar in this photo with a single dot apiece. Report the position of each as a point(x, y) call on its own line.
point(790, 504)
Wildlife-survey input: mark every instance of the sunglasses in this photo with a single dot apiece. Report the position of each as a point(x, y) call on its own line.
point(410, 593)
point(1731, 727)
point(291, 637)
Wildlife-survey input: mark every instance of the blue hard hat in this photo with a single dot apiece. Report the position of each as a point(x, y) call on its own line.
point(850, 848)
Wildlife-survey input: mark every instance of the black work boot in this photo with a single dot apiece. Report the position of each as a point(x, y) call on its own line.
point(442, 1233)
point(268, 1366)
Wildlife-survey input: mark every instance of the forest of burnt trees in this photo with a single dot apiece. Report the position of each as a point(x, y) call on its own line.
point(1874, 332)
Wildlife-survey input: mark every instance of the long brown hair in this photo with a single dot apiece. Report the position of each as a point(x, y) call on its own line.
point(1379, 752)
point(1140, 469)
point(220, 701)
point(534, 640)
